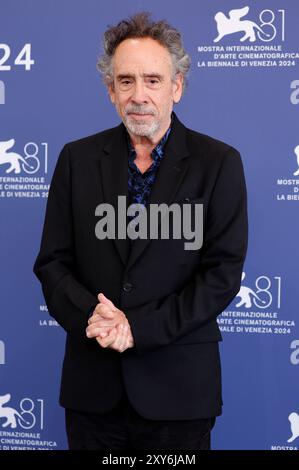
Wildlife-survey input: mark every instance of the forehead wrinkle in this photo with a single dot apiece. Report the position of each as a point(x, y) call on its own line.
point(121, 64)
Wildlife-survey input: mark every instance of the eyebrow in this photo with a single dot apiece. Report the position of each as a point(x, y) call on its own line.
point(144, 75)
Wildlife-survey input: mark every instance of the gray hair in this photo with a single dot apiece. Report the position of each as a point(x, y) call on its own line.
point(140, 26)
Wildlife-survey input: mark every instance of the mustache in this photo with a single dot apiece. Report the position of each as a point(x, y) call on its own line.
point(139, 110)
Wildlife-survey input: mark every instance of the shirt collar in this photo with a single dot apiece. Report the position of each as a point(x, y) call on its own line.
point(158, 151)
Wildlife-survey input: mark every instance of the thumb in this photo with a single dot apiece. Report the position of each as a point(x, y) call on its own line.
point(103, 299)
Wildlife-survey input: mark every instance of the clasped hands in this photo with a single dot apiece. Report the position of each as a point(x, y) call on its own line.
point(110, 326)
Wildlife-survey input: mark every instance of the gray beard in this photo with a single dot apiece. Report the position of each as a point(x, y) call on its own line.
point(141, 129)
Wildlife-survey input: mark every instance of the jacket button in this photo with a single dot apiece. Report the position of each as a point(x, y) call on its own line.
point(127, 287)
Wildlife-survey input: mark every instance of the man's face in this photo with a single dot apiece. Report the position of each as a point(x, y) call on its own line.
point(143, 90)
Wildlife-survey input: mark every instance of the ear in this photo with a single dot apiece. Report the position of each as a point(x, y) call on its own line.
point(178, 87)
point(111, 92)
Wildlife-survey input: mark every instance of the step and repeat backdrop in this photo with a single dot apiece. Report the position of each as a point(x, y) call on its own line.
point(243, 89)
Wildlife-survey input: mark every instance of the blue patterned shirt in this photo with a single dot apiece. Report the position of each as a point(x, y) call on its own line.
point(140, 184)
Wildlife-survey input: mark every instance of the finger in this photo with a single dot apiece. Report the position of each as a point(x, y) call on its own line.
point(104, 318)
point(125, 338)
point(93, 331)
point(119, 338)
point(130, 342)
point(103, 322)
point(98, 318)
point(105, 332)
point(122, 339)
point(105, 342)
point(127, 343)
point(130, 339)
point(105, 311)
point(100, 308)
point(103, 299)
point(108, 314)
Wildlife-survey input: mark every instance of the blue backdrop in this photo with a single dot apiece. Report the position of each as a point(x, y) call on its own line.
point(243, 89)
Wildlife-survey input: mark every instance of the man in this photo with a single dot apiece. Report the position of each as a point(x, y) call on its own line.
point(141, 367)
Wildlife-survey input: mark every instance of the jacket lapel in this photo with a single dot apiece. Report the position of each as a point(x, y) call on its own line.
point(169, 178)
point(114, 173)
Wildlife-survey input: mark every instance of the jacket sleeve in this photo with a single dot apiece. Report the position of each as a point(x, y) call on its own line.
point(68, 301)
point(217, 280)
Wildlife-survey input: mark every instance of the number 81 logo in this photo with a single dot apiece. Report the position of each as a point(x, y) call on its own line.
point(32, 160)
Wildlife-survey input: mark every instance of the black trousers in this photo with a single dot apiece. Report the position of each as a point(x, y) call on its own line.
point(123, 428)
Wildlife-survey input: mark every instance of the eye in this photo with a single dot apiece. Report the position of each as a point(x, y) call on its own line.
point(153, 82)
point(125, 83)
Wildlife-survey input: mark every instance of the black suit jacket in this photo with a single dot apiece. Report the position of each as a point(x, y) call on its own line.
point(171, 296)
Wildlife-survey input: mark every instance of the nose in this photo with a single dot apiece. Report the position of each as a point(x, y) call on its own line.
point(139, 94)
